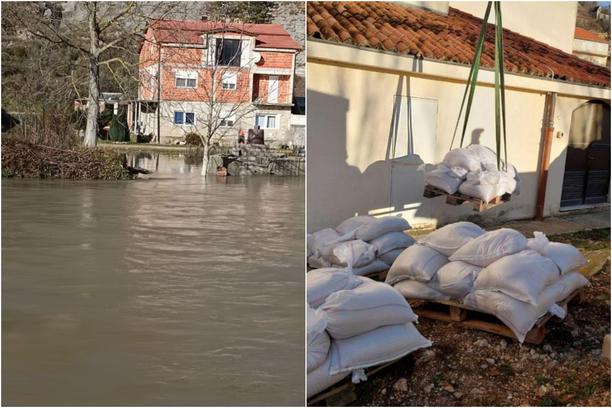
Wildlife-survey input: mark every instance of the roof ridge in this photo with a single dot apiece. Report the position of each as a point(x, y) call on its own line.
point(423, 33)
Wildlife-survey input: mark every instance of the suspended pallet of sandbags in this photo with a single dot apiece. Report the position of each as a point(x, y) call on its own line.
point(459, 198)
point(502, 165)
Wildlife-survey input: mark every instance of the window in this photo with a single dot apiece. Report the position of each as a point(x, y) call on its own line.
point(265, 121)
point(186, 79)
point(228, 121)
point(228, 52)
point(184, 118)
point(229, 80)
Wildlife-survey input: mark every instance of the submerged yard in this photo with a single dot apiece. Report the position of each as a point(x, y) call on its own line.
point(474, 368)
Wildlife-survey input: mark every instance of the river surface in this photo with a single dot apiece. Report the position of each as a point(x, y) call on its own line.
point(171, 290)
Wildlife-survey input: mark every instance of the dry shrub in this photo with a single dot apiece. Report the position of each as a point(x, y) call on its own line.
point(26, 159)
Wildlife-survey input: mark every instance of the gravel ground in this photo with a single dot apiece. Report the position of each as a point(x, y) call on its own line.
point(473, 368)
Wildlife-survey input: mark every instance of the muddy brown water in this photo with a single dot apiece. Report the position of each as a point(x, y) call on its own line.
point(172, 290)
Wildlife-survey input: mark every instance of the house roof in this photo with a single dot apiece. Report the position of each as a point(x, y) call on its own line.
point(587, 35)
point(190, 32)
point(426, 34)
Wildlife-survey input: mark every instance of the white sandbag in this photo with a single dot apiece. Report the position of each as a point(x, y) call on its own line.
point(417, 262)
point(444, 178)
point(364, 308)
point(491, 246)
point(391, 256)
point(366, 227)
point(507, 184)
point(461, 157)
point(376, 265)
point(451, 237)
point(510, 170)
point(474, 188)
point(318, 342)
point(317, 261)
point(444, 182)
point(375, 347)
point(321, 243)
point(523, 275)
point(412, 289)
point(456, 279)
point(319, 379)
point(391, 241)
point(323, 237)
point(320, 283)
point(353, 223)
point(567, 257)
point(484, 155)
point(353, 253)
point(519, 316)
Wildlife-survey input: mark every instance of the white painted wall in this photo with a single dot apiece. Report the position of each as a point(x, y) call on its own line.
point(551, 22)
point(171, 133)
point(593, 51)
point(350, 123)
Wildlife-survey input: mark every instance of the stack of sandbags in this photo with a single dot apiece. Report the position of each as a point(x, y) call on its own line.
point(471, 171)
point(367, 323)
point(522, 287)
point(366, 244)
point(498, 272)
point(424, 271)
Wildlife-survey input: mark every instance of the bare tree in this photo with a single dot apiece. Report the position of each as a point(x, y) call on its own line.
point(101, 35)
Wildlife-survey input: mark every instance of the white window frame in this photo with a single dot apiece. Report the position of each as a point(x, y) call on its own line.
point(184, 118)
point(267, 116)
point(224, 121)
point(186, 75)
point(230, 79)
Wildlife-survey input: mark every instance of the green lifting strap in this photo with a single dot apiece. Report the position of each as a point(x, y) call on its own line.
point(500, 98)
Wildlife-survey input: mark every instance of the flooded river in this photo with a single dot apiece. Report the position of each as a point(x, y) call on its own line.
point(172, 290)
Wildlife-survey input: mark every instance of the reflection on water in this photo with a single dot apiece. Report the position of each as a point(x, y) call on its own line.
point(171, 290)
point(188, 161)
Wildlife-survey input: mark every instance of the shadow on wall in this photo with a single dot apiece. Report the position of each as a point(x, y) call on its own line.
point(338, 190)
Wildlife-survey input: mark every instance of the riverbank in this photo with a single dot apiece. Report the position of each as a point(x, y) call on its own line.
point(146, 147)
point(31, 160)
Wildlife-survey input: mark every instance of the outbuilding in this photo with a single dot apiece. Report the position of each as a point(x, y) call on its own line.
point(385, 83)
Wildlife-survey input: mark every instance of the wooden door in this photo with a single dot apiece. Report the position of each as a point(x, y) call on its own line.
point(587, 165)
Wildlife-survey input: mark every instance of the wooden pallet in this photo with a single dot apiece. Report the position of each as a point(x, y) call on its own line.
point(450, 311)
point(459, 198)
point(343, 392)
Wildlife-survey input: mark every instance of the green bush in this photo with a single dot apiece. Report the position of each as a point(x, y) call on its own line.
point(193, 139)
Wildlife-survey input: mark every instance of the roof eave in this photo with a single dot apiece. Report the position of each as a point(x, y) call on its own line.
point(417, 65)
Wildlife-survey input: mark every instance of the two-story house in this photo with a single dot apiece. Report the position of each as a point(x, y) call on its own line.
point(198, 75)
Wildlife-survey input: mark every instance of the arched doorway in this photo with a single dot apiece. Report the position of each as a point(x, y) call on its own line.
point(587, 166)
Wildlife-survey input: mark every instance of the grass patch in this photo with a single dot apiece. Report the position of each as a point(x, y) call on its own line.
point(506, 370)
point(590, 240)
point(549, 401)
point(542, 380)
point(437, 379)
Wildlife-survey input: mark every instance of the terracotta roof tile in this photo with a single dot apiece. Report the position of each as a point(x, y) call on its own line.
point(190, 32)
point(587, 35)
point(410, 30)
